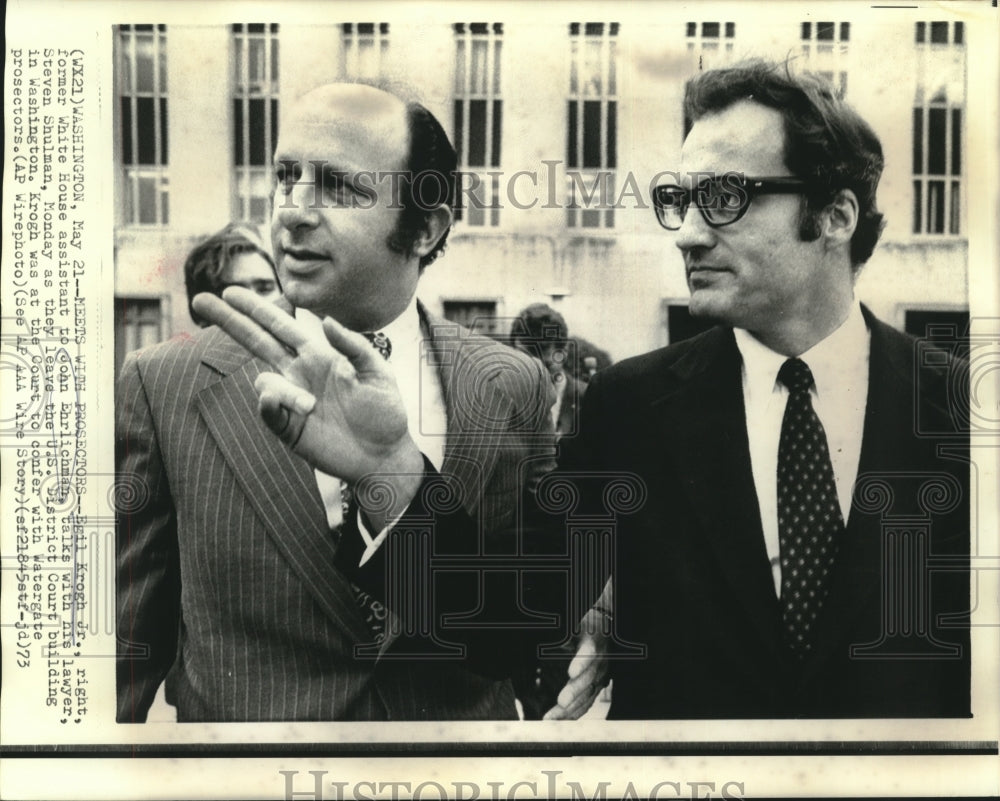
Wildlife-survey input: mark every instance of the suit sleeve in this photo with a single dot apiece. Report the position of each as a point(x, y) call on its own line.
point(494, 650)
point(148, 574)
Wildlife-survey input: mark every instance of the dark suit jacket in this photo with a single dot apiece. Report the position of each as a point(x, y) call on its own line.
point(227, 584)
point(693, 583)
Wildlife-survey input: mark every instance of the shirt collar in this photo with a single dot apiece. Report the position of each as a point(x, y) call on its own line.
point(842, 353)
point(404, 332)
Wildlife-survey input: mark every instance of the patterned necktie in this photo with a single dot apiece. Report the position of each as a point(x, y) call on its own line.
point(809, 517)
point(373, 610)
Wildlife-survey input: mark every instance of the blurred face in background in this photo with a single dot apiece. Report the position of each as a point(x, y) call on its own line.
point(251, 271)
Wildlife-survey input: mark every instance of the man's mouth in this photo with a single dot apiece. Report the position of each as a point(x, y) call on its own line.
point(302, 260)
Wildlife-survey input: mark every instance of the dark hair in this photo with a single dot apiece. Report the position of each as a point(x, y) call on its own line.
point(431, 164)
point(209, 259)
point(541, 322)
point(827, 143)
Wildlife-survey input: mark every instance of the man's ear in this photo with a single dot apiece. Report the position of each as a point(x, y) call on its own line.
point(436, 222)
point(840, 218)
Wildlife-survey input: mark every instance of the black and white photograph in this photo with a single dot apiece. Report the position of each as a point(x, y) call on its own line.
point(501, 400)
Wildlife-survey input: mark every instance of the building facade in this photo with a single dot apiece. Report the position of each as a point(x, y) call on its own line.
point(561, 126)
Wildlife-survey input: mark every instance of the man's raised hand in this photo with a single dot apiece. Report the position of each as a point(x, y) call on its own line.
point(333, 401)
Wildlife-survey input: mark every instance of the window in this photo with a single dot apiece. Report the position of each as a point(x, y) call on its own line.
point(680, 324)
point(709, 45)
point(478, 119)
point(825, 49)
point(364, 49)
point(142, 69)
point(949, 328)
point(138, 324)
point(477, 315)
point(592, 135)
point(937, 129)
point(255, 118)
point(711, 42)
point(940, 33)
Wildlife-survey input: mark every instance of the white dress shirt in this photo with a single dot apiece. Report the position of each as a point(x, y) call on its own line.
point(420, 386)
point(839, 365)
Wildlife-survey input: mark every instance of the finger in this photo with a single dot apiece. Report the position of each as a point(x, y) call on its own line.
point(282, 325)
point(284, 423)
point(586, 655)
point(574, 700)
point(355, 347)
point(243, 329)
point(280, 391)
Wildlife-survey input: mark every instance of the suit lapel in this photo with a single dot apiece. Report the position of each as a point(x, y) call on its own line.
point(888, 408)
point(471, 446)
point(704, 427)
point(279, 486)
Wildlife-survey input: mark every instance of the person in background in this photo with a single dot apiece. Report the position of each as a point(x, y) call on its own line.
point(540, 331)
point(234, 256)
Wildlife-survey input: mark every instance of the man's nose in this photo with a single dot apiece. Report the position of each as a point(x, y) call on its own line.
point(694, 231)
point(299, 207)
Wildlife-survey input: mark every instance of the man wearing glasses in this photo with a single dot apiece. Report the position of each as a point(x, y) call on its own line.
point(760, 575)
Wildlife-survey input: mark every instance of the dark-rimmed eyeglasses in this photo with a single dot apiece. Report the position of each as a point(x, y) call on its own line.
point(722, 199)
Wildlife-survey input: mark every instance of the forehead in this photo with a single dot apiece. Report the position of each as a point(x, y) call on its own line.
point(246, 266)
point(745, 137)
point(349, 127)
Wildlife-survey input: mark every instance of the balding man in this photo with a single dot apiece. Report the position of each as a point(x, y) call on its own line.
point(244, 573)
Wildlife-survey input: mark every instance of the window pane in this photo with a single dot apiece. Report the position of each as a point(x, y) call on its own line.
point(572, 157)
point(917, 206)
point(478, 81)
point(460, 67)
point(612, 72)
point(497, 129)
point(497, 46)
point(921, 34)
point(939, 33)
point(692, 29)
point(845, 31)
point(274, 59)
point(592, 68)
point(127, 155)
point(935, 207)
point(918, 141)
point(459, 147)
point(710, 30)
point(256, 61)
point(592, 133)
point(956, 141)
point(959, 32)
point(612, 135)
point(163, 131)
point(477, 133)
point(147, 200)
point(590, 218)
point(824, 31)
point(145, 128)
point(144, 64)
point(238, 61)
point(936, 121)
point(258, 152)
point(730, 30)
point(953, 227)
point(164, 203)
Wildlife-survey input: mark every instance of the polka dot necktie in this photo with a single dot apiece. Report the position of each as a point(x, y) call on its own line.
point(809, 517)
point(373, 610)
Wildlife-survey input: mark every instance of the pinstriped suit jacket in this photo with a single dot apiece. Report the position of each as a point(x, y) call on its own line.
point(227, 587)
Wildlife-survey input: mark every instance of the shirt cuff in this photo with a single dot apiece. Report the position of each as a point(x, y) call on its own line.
point(372, 543)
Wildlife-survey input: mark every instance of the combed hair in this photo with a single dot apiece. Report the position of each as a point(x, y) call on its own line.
point(827, 143)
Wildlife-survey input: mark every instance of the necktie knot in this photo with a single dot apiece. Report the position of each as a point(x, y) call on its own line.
point(796, 375)
point(380, 342)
